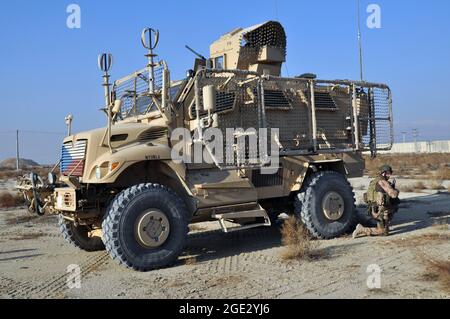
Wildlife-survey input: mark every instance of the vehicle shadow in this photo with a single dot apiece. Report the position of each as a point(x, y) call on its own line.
point(16, 251)
point(20, 257)
point(415, 213)
point(210, 245)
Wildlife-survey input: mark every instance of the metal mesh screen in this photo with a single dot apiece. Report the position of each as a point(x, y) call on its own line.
point(132, 92)
point(224, 101)
point(375, 119)
point(333, 108)
point(288, 108)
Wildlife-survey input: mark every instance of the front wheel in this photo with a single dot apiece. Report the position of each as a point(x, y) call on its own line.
point(146, 227)
point(327, 205)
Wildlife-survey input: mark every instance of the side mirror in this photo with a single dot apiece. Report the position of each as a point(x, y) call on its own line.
point(209, 98)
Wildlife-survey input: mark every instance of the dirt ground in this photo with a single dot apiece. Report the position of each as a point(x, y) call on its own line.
point(247, 264)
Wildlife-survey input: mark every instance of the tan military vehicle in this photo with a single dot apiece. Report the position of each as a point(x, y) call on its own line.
point(134, 186)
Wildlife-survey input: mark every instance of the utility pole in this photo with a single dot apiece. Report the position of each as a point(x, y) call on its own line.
point(17, 151)
point(360, 42)
point(404, 137)
point(415, 135)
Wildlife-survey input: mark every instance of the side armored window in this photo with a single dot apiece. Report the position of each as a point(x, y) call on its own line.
point(218, 63)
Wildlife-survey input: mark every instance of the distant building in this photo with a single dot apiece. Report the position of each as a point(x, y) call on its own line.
point(420, 147)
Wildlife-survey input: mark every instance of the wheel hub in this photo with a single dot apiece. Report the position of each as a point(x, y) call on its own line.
point(333, 206)
point(152, 228)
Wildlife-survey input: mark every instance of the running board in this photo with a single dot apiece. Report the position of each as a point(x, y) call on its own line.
point(256, 213)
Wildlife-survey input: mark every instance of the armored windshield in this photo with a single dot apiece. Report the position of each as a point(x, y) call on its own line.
point(135, 94)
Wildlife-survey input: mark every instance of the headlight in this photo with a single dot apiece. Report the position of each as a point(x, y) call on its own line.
point(101, 171)
point(98, 172)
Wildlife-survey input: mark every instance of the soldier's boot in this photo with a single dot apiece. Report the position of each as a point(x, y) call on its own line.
point(360, 230)
point(367, 232)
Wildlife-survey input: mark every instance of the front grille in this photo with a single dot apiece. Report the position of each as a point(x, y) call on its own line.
point(152, 135)
point(72, 159)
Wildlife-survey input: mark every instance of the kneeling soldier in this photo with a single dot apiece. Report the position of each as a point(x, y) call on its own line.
point(383, 202)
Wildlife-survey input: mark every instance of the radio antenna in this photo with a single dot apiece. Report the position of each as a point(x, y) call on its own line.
point(361, 66)
point(150, 39)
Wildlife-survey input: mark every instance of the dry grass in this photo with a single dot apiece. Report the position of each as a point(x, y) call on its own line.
point(8, 200)
point(437, 270)
point(29, 236)
point(441, 227)
point(443, 173)
point(190, 261)
point(406, 189)
point(419, 186)
point(422, 240)
point(433, 166)
point(6, 174)
point(437, 186)
point(297, 242)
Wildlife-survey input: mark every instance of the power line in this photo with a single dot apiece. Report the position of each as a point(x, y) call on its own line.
point(43, 132)
point(33, 132)
point(404, 136)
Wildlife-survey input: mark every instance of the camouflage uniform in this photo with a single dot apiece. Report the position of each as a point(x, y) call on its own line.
point(383, 203)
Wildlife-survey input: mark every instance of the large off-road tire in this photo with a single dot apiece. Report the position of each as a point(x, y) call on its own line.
point(326, 205)
point(146, 227)
point(78, 236)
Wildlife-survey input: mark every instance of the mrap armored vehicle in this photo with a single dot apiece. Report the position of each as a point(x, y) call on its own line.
point(291, 144)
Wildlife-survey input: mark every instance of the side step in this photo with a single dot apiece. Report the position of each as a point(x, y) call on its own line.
point(259, 212)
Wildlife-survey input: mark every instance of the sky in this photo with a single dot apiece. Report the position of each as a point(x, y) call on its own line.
point(48, 70)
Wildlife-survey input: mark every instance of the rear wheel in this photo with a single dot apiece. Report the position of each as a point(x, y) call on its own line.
point(327, 205)
point(146, 227)
point(80, 236)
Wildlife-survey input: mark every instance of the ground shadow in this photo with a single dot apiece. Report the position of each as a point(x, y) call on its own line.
point(16, 251)
point(415, 213)
point(210, 245)
point(20, 257)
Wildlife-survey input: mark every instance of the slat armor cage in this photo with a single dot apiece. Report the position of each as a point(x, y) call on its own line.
point(312, 116)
